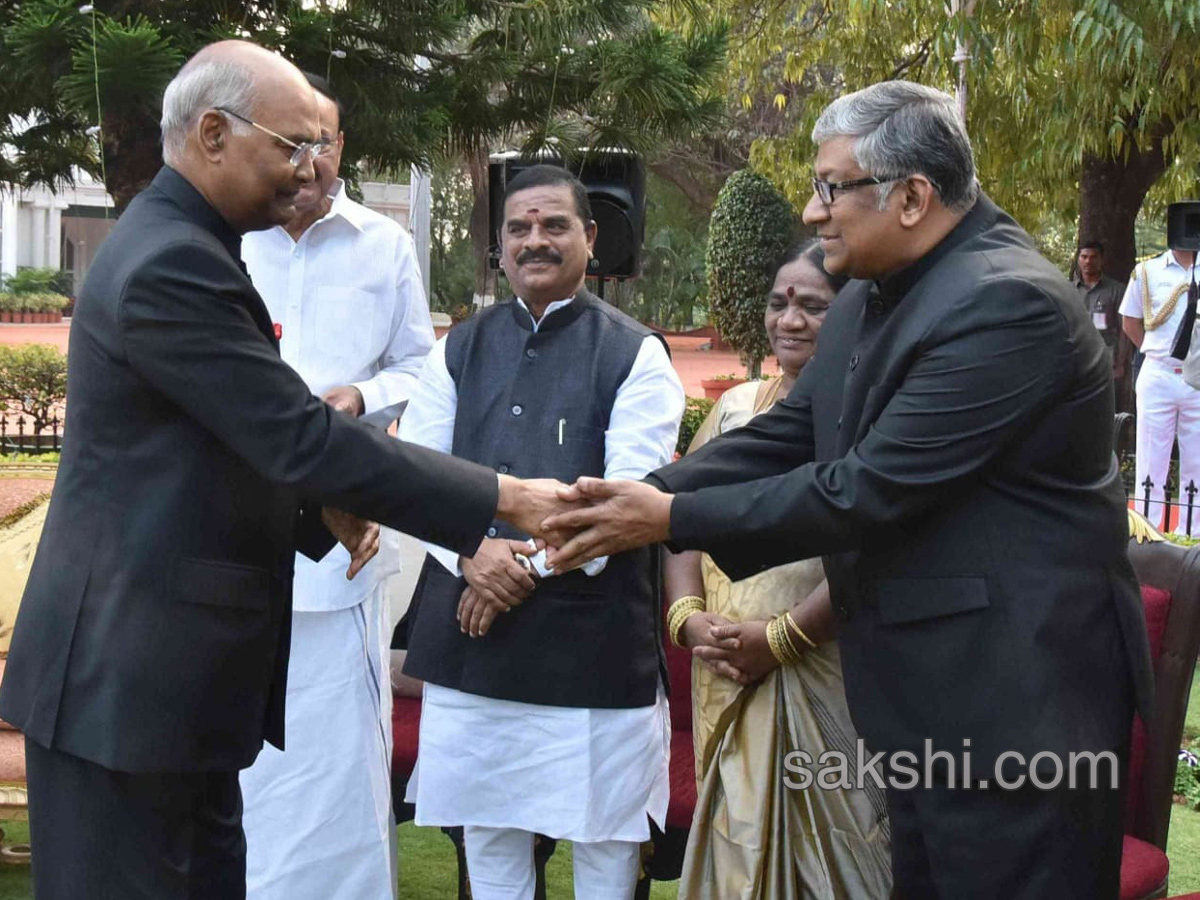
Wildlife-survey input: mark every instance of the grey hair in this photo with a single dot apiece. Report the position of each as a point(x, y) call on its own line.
point(902, 128)
point(199, 86)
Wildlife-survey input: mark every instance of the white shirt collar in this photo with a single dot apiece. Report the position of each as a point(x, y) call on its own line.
point(1169, 256)
point(557, 304)
point(340, 207)
point(343, 206)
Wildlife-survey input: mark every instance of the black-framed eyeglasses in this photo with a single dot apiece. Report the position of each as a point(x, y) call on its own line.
point(825, 189)
point(313, 149)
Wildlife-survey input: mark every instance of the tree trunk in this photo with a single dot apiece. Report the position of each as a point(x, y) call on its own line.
point(699, 194)
point(481, 237)
point(1111, 191)
point(132, 157)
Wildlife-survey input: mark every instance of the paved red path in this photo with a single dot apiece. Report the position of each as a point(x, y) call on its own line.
point(692, 363)
point(55, 334)
point(17, 491)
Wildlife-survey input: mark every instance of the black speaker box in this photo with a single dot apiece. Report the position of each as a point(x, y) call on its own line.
point(1183, 225)
point(616, 187)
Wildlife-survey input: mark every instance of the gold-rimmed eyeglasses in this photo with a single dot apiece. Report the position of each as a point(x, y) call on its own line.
point(312, 149)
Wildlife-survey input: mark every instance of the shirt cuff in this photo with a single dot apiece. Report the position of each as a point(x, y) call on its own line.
point(448, 559)
point(372, 395)
point(591, 568)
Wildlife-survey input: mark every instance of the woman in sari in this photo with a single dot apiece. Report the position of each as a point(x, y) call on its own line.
point(767, 680)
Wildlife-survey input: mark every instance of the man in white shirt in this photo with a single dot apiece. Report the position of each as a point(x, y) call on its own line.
point(1167, 408)
point(344, 289)
point(549, 718)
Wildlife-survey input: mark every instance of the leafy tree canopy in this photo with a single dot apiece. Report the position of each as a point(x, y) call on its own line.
point(1076, 106)
point(418, 76)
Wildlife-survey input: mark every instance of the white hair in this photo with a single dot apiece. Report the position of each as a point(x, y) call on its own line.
point(199, 86)
point(902, 128)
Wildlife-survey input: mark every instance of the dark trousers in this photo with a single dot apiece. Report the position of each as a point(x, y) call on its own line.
point(103, 835)
point(1024, 844)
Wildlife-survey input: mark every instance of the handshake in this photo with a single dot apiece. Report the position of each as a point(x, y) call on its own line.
point(585, 520)
point(574, 523)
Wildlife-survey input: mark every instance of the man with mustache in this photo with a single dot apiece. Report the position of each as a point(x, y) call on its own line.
point(1101, 296)
point(550, 717)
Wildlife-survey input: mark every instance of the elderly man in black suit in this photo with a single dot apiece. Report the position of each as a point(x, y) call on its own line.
point(149, 657)
point(949, 453)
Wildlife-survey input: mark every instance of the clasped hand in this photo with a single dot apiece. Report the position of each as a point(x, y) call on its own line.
point(606, 517)
point(738, 651)
point(590, 518)
point(496, 582)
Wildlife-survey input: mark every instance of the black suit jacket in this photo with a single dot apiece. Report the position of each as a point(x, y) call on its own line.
point(949, 452)
point(154, 630)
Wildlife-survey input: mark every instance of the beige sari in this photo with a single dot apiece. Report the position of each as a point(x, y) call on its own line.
point(753, 837)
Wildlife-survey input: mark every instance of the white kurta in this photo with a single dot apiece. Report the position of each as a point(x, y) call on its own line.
point(349, 302)
point(574, 774)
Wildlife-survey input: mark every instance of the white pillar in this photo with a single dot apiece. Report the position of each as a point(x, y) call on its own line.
point(37, 235)
point(420, 202)
point(54, 236)
point(8, 231)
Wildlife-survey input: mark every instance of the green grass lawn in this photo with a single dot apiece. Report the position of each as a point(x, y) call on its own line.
point(1191, 727)
point(427, 866)
point(1183, 849)
point(428, 870)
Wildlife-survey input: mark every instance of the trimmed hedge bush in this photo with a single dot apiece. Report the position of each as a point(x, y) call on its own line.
point(751, 228)
point(694, 414)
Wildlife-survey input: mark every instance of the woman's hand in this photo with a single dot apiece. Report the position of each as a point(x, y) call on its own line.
point(744, 651)
point(698, 634)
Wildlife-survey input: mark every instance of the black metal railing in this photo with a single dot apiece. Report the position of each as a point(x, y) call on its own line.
point(20, 433)
point(1183, 504)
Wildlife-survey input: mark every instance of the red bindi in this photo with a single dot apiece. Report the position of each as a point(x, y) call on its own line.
point(791, 291)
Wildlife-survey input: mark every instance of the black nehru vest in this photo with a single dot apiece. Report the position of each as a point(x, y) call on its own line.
point(536, 405)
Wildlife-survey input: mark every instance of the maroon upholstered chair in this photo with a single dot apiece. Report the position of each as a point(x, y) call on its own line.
point(665, 862)
point(1170, 579)
point(406, 731)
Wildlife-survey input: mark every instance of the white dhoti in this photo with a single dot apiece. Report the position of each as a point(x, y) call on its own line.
point(499, 768)
point(318, 817)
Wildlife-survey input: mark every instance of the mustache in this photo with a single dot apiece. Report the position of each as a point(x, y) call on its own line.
point(547, 256)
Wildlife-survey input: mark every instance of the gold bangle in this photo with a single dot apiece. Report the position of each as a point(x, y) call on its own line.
point(779, 642)
point(775, 643)
point(679, 612)
point(804, 637)
point(787, 638)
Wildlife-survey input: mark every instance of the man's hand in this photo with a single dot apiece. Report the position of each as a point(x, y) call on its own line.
point(494, 573)
point(475, 615)
point(347, 399)
point(358, 536)
point(527, 503)
point(623, 515)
